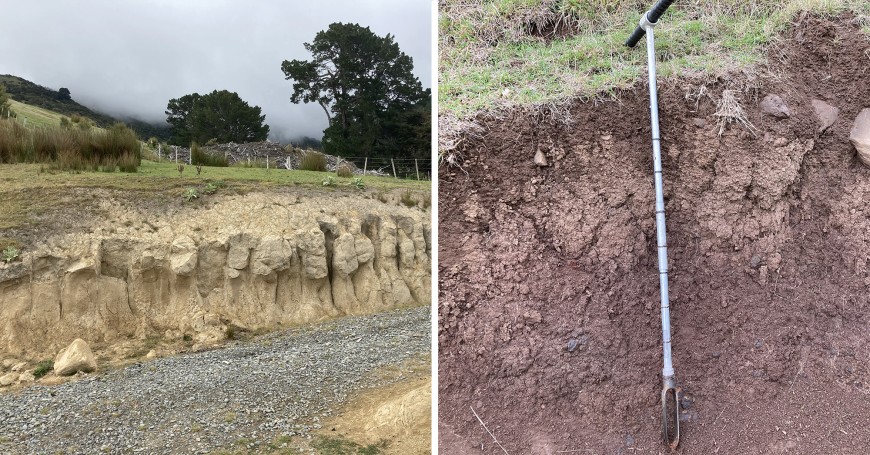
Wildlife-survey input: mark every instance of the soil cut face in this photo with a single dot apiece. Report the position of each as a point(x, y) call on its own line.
point(768, 247)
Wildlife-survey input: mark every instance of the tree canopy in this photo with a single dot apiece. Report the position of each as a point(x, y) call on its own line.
point(219, 115)
point(366, 87)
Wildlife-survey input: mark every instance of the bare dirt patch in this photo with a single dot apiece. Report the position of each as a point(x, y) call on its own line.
point(768, 248)
point(398, 416)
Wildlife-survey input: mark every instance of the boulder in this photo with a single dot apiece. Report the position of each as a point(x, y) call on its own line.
point(27, 376)
point(19, 366)
point(774, 105)
point(271, 255)
point(344, 256)
point(860, 136)
point(8, 379)
point(76, 357)
point(825, 114)
point(184, 256)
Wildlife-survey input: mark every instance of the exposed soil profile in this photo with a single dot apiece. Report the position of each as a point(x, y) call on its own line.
point(769, 243)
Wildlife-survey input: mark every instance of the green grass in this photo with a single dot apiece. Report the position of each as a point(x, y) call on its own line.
point(36, 116)
point(27, 191)
point(489, 58)
point(341, 446)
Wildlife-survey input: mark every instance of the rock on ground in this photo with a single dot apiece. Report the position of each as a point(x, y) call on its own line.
point(76, 357)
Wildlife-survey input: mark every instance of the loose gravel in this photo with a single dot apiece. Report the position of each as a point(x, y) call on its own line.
point(284, 383)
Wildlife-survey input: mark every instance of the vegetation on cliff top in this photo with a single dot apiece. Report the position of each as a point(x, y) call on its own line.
point(524, 52)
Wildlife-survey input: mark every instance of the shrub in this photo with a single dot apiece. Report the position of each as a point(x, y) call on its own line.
point(42, 368)
point(190, 194)
point(358, 183)
point(210, 188)
point(197, 156)
point(344, 170)
point(329, 181)
point(313, 161)
point(10, 254)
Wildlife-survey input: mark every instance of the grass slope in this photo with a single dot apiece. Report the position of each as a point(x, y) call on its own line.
point(523, 52)
point(36, 116)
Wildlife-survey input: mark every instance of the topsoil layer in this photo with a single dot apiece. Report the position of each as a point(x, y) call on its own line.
point(769, 243)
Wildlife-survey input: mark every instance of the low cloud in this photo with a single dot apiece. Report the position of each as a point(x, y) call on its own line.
point(130, 58)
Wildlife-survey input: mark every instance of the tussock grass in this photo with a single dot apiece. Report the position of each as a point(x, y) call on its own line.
point(313, 161)
point(496, 53)
point(344, 170)
point(68, 148)
point(205, 159)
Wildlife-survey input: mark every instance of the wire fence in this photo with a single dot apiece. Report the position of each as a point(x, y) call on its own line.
point(400, 168)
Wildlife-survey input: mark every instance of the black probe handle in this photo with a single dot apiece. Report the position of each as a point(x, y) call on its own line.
point(654, 14)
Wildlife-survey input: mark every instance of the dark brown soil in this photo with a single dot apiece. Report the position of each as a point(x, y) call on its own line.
point(769, 243)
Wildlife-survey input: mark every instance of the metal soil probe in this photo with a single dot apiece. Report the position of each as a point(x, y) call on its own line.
point(670, 393)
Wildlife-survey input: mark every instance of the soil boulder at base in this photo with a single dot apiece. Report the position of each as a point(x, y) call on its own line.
point(860, 136)
point(76, 357)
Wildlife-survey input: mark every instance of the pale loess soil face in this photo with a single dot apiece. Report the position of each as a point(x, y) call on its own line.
point(768, 247)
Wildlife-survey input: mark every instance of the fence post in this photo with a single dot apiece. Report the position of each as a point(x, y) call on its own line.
point(159, 152)
point(175, 147)
point(190, 157)
point(417, 168)
point(394, 168)
point(267, 162)
point(366, 166)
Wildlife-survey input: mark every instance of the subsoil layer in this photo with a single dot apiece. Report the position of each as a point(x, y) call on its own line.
point(769, 240)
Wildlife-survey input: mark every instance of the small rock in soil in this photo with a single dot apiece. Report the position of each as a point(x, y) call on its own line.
point(686, 402)
point(775, 106)
point(755, 262)
point(716, 354)
point(540, 158)
point(629, 441)
point(825, 114)
point(572, 345)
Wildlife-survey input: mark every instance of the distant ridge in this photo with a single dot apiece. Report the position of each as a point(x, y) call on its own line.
point(33, 94)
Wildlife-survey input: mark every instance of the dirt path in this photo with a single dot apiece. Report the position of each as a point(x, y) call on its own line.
point(246, 396)
point(767, 235)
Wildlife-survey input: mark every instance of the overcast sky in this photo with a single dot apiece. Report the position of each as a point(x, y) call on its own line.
point(130, 58)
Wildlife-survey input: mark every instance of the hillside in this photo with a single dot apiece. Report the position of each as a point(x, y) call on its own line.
point(36, 95)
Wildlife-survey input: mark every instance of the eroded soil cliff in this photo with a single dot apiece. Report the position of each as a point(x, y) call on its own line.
point(201, 270)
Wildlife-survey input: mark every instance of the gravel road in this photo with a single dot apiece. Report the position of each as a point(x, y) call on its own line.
point(283, 383)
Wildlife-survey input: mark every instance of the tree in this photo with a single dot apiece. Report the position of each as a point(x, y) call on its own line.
point(363, 82)
point(63, 94)
point(219, 115)
point(5, 108)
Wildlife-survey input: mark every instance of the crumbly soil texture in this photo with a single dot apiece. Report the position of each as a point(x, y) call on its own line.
point(549, 322)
